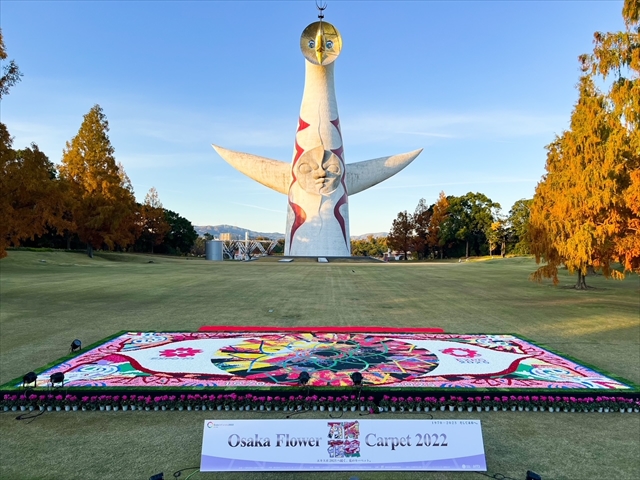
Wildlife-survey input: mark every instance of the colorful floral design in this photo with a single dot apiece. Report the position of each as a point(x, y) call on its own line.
point(180, 352)
point(332, 358)
point(277, 359)
point(461, 352)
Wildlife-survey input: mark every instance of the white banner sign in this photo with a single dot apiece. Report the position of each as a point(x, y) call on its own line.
point(341, 444)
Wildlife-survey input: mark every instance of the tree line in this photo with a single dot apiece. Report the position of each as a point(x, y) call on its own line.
point(459, 227)
point(585, 213)
point(88, 202)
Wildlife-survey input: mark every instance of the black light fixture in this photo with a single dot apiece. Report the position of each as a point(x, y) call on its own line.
point(75, 346)
point(356, 378)
point(157, 476)
point(29, 378)
point(57, 378)
point(304, 377)
point(533, 476)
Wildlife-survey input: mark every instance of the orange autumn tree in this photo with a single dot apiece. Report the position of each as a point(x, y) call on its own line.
point(439, 214)
point(103, 208)
point(584, 214)
point(31, 198)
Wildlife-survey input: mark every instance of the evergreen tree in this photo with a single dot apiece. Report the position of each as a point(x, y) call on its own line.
point(152, 218)
point(181, 235)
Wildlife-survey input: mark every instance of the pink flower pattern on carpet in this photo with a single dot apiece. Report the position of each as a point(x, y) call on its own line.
point(180, 352)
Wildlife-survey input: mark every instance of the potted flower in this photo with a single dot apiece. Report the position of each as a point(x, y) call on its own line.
point(385, 403)
point(467, 404)
point(352, 402)
point(322, 403)
point(11, 402)
point(69, 400)
point(32, 401)
point(330, 403)
point(371, 403)
point(451, 403)
point(544, 403)
point(58, 402)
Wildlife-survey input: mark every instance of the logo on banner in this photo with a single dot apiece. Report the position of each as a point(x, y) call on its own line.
point(344, 439)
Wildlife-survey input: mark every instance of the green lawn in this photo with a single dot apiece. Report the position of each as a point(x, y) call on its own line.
point(49, 298)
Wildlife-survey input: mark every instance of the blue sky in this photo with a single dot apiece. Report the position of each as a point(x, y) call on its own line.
point(482, 86)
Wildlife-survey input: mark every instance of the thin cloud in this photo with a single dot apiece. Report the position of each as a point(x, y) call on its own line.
point(256, 207)
point(469, 182)
point(489, 125)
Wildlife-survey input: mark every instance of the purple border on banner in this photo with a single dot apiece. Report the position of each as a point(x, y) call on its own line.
point(475, 463)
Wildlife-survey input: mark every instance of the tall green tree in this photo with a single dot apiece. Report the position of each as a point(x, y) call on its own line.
point(584, 214)
point(153, 221)
point(518, 225)
point(469, 219)
point(181, 236)
point(401, 236)
point(102, 207)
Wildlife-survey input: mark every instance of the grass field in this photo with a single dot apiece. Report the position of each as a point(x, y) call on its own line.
point(49, 298)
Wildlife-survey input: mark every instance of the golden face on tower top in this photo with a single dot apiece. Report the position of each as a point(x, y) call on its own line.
point(321, 43)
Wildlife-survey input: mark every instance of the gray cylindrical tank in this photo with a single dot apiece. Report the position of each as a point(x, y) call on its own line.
point(213, 250)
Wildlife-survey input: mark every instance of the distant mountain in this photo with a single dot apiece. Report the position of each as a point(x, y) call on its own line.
point(237, 233)
point(367, 235)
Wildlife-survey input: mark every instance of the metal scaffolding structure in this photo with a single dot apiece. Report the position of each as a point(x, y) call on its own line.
point(245, 249)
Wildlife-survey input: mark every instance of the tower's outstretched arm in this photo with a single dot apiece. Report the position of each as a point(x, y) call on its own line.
point(271, 173)
point(365, 174)
point(277, 175)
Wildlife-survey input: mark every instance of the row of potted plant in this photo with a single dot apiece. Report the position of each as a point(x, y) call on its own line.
point(233, 401)
point(535, 403)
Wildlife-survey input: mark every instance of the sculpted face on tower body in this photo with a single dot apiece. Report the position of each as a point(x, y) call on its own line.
point(318, 181)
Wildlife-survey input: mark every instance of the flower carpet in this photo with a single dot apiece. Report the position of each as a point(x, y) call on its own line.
point(254, 361)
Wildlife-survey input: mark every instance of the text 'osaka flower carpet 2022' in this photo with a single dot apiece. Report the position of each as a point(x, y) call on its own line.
point(271, 360)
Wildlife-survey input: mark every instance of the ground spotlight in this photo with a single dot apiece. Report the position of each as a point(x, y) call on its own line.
point(533, 476)
point(303, 379)
point(29, 378)
point(157, 476)
point(57, 378)
point(76, 345)
point(356, 378)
